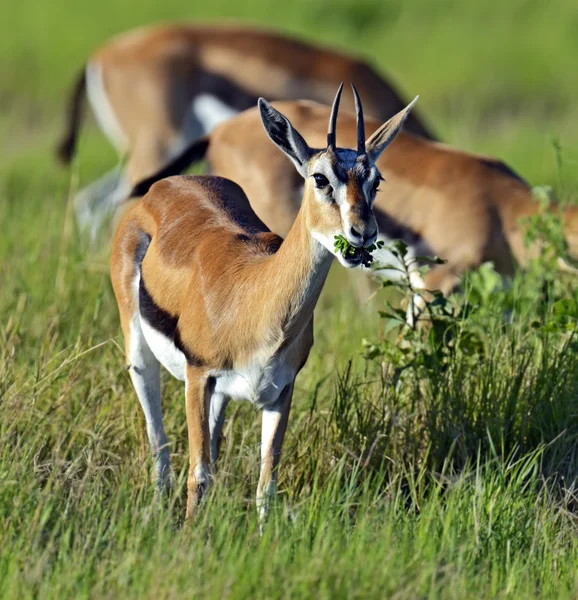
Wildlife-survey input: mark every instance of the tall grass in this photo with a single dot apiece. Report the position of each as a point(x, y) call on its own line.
point(455, 481)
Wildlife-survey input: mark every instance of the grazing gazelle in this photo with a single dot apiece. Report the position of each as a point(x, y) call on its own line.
point(205, 289)
point(156, 89)
point(462, 207)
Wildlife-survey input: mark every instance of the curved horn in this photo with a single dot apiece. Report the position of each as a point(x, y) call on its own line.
point(360, 122)
point(333, 119)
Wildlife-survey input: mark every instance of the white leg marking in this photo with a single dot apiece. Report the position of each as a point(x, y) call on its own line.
point(202, 478)
point(98, 200)
point(416, 303)
point(145, 375)
point(216, 420)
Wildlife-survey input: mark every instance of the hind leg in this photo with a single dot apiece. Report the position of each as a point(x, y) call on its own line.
point(145, 374)
point(94, 202)
point(217, 411)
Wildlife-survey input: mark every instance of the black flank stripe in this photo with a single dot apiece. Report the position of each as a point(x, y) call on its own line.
point(164, 323)
point(192, 358)
point(154, 315)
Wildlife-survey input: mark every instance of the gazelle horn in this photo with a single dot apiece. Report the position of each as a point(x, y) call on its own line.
point(360, 122)
point(333, 119)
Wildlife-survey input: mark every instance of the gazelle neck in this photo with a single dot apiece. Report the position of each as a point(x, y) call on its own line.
point(296, 274)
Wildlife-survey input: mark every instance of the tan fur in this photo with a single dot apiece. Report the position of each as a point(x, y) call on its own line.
point(195, 253)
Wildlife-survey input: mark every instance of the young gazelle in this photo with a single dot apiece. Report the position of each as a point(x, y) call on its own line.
point(154, 90)
point(205, 289)
point(462, 207)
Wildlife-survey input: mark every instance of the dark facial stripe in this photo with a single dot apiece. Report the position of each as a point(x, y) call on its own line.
point(340, 173)
point(362, 168)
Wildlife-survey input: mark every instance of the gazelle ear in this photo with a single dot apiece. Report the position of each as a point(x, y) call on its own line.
point(284, 135)
point(381, 139)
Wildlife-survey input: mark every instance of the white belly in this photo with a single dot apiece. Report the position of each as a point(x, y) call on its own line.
point(259, 384)
point(209, 111)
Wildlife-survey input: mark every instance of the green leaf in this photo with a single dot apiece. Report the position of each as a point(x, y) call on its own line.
point(566, 306)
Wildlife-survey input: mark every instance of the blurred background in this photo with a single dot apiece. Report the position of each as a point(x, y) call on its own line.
point(494, 76)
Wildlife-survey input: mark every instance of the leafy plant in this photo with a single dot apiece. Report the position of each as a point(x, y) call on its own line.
point(428, 338)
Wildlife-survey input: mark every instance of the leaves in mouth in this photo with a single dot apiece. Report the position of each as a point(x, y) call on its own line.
point(348, 251)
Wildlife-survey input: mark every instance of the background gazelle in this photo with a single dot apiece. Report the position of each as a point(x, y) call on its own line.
point(155, 89)
point(205, 289)
point(463, 207)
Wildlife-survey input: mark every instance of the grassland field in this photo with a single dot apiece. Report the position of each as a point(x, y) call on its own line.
point(451, 478)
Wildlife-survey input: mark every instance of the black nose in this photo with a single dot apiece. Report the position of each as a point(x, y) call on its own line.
point(360, 238)
point(355, 234)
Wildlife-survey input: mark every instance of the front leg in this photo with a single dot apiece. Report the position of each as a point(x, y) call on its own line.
point(274, 425)
point(198, 394)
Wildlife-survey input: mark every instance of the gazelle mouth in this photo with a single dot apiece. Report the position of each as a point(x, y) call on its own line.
point(351, 256)
point(355, 260)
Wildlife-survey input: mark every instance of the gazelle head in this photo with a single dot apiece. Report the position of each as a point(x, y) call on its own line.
point(340, 183)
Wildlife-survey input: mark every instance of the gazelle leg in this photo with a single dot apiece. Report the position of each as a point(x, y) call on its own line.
point(274, 425)
point(95, 202)
point(416, 303)
point(219, 404)
point(198, 396)
point(145, 374)
point(444, 278)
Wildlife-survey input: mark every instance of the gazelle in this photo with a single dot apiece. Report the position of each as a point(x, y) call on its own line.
point(154, 90)
point(462, 207)
point(206, 290)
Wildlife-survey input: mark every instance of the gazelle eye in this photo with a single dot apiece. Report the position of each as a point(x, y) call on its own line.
point(376, 183)
point(320, 181)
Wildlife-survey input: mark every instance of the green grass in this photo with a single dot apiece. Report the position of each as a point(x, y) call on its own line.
point(452, 479)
